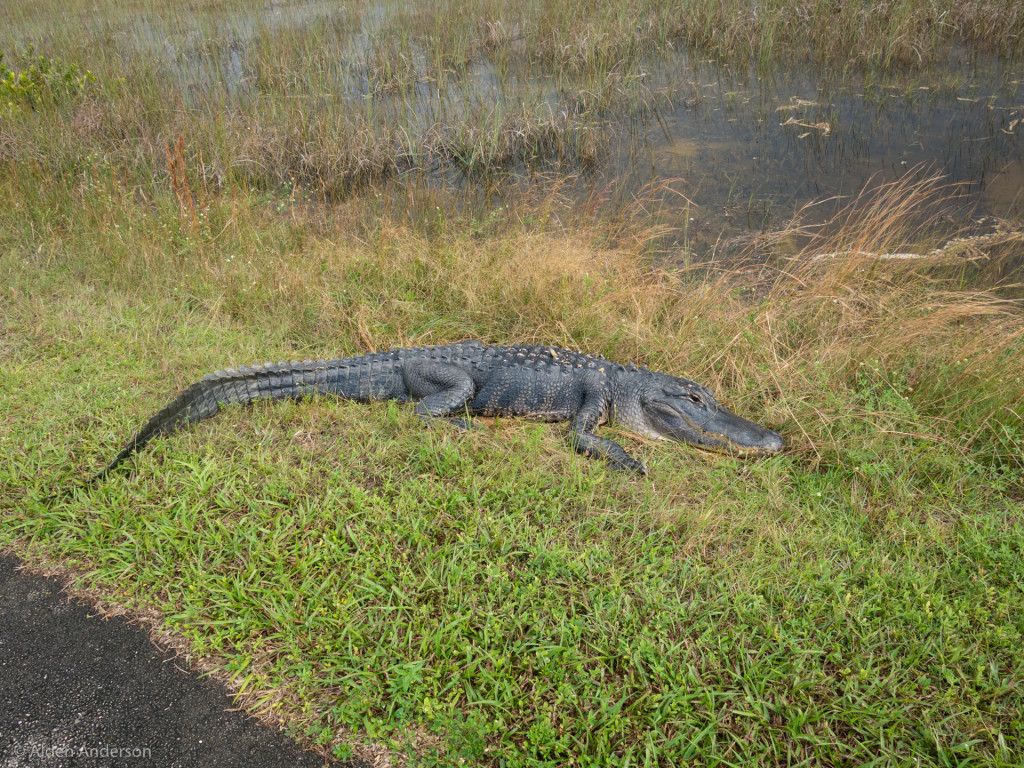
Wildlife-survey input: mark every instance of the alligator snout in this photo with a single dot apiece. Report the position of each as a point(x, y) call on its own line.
point(768, 443)
point(733, 434)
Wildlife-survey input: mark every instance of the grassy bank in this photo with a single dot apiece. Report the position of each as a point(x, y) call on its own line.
point(243, 190)
point(492, 596)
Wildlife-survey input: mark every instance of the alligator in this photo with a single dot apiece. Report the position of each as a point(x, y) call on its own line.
point(476, 379)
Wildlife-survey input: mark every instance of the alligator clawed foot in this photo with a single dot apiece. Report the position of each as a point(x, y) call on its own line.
point(461, 424)
point(638, 467)
point(629, 464)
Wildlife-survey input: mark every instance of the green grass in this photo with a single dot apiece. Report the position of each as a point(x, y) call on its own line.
point(352, 570)
point(493, 597)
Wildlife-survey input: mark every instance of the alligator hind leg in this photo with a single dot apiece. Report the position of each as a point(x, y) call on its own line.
point(441, 388)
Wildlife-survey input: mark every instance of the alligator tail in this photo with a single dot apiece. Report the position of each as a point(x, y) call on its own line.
point(375, 376)
point(196, 403)
point(203, 399)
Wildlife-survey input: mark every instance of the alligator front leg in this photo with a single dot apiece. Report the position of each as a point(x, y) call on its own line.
point(583, 440)
point(441, 388)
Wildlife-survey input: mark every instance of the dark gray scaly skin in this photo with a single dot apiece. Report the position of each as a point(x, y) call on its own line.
point(470, 377)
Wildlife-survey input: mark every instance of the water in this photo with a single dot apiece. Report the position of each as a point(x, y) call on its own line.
point(752, 150)
point(741, 150)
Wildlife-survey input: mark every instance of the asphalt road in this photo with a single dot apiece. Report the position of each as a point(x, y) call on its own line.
point(79, 690)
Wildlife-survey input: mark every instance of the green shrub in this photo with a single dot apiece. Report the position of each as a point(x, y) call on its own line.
point(44, 80)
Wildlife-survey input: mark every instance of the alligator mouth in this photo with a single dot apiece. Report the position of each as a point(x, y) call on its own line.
point(726, 432)
point(747, 452)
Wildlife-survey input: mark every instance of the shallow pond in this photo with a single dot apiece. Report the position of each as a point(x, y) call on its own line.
point(753, 150)
point(740, 150)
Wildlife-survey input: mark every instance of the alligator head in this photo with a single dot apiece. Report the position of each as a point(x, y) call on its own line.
point(671, 408)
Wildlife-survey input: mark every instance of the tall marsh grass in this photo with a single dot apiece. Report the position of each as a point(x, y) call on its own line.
point(333, 99)
point(820, 334)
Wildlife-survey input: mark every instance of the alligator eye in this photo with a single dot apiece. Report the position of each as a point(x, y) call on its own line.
point(693, 398)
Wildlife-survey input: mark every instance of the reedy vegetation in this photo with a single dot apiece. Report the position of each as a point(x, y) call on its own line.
point(334, 97)
point(491, 596)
